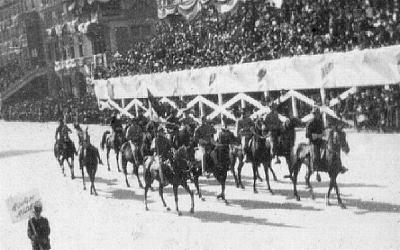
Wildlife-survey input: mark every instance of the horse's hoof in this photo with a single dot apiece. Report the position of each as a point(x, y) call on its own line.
point(202, 198)
point(219, 196)
point(287, 177)
point(168, 209)
point(270, 191)
point(226, 202)
point(72, 177)
point(242, 187)
point(297, 198)
point(146, 208)
point(84, 188)
point(179, 213)
point(313, 197)
point(342, 206)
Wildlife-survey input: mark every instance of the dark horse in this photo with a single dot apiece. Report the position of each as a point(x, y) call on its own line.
point(130, 152)
point(65, 151)
point(286, 141)
point(330, 162)
point(175, 172)
point(260, 153)
point(112, 142)
point(90, 159)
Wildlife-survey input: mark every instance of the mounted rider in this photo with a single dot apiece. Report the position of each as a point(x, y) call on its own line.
point(62, 135)
point(134, 133)
point(116, 125)
point(244, 128)
point(273, 126)
point(314, 133)
point(84, 143)
point(204, 135)
point(173, 124)
point(142, 120)
point(161, 147)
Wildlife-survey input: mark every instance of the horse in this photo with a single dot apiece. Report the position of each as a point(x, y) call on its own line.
point(89, 159)
point(175, 172)
point(330, 161)
point(112, 142)
point(65, 151)
point(286, 142)
point(130, 152)
point(260, 153)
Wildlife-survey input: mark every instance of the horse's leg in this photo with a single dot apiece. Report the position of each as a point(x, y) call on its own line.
point(146, 189)
point(175, 188)
point(61, 162)
point(222, 180)
point(108, 156)
point(329, 191)
point(240, 166)
point(136, 172)
point(72, 167)
point(273, 173)
point(92, 176)
point(289, 164)
point(196, 184)
point(186, 187)
point(295, 171)
point(83, 174)
point(161, 193)
point(258, 175)
point(255, 169)
point(232, 163)
point(116, 158)
point(124, 163)
point(267, 165)
point(338, 193)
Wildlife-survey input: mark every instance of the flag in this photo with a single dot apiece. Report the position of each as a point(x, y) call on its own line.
point(20, 206)
point(153, 103)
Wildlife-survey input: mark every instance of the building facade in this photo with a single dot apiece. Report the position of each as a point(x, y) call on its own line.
point(69, 37)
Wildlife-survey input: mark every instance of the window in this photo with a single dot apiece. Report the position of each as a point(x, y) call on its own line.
point(80, 46)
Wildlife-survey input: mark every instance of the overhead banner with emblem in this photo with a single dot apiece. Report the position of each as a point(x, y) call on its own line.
point(335, 70)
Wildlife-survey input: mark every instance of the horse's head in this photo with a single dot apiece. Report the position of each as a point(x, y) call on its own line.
point(338, 139)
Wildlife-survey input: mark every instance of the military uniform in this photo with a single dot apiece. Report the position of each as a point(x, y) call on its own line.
point(161, 146)
point(244, 131)
point(204, 135)
point(314, 132)
point(273, 125)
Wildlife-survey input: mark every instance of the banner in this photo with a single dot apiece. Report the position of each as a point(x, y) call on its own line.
point(335, 70)
point(20, 206)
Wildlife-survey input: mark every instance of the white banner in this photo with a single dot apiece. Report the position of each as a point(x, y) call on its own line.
point(334, 70)
point(20, 206)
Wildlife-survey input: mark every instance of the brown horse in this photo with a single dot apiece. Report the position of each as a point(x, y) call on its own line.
point(330, 162)
point(175, 173)
point(65, 151)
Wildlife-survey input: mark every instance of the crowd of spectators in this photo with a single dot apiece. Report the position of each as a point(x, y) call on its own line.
point(9, 74)
point(83, 110)
point(258, 31)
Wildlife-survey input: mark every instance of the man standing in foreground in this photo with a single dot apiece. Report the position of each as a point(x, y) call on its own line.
point(39, 229)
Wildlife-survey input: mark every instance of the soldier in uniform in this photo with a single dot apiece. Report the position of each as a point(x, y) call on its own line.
point(204, 135)
point(273, 126)
point(172, 125)
point(161, 147)
point(62, 134)
point(244, 128)
point(39, 229)
point(134, 135)
point(116, 125)
point(142, 120)
point(314, 133)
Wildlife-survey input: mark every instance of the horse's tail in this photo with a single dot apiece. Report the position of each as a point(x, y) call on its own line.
point(104, 139)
